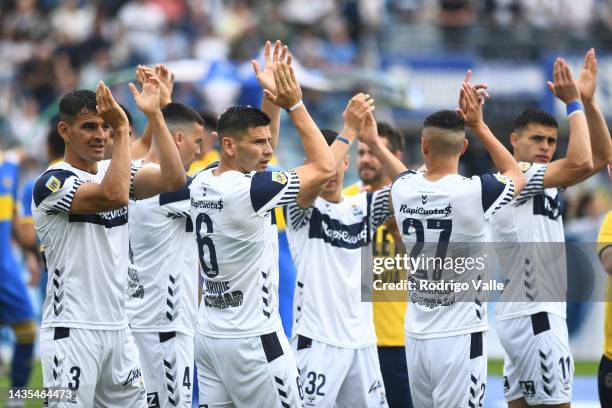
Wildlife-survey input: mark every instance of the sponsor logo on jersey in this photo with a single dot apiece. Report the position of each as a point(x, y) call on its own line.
point(446, 211)
point(339, 235)
point(53, 184)
point(424, 199)
point(109, 219)
point(545, 205)
point(527, 387)
point(279, 177)
point(207, 204)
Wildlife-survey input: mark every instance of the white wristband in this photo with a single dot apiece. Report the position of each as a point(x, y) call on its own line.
point(294, 107)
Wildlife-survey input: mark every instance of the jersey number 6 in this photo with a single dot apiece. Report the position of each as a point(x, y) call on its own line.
point(211, 269)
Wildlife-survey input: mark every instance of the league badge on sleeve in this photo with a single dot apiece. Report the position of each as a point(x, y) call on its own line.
point(53, 184)
point(501, 179)
point(524, 166)
point(279, 177)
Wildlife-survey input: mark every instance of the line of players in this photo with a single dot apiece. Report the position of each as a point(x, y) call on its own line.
point(81, 208)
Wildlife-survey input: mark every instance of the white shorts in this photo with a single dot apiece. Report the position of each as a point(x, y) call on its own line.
point(538, 364)
point(102, 366)
point(167, 366)
point(339, 377)
point(447, 371)
point(247, 372)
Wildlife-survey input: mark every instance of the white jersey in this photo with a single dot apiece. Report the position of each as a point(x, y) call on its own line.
point(325, 242)
point(432, 214)
point(163, 281)
point(87, 254)
point(533, 217)
point(238, 249)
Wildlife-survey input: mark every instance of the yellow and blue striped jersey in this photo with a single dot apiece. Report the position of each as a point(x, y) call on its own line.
point(603, 241)
point(9, 174)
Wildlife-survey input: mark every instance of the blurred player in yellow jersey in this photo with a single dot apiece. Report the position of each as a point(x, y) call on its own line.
point(388, 313)
point(604, 247)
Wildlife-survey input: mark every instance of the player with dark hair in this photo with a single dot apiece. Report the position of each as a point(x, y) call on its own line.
point(162, 298)
point(531, 314)
point(80, 213)
point(243, 356)
point(445, 333)
point(333, 331)
point(389, 307)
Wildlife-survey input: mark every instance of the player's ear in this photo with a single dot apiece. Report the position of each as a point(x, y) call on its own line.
point(227, 144)
point(465, 146)
point(62, 129)
point(347, 161)
point(424, 145)
point(179, 137)
point(514, 140)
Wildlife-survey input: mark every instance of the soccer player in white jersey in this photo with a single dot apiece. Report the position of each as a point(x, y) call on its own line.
point(80, 213)
point(162, 299)
point(242, 355)
point(445, 335)
point(333, 331)
point(538, 365)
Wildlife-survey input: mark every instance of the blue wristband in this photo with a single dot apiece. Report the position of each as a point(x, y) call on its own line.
point(573, 107)
point(343, 139)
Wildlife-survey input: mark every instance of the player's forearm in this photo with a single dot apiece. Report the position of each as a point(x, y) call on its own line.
point(392, 165)
point(170, 164)
point(601, 143)
point(142, 145)
point(501, 157)
point(579, 155)
point(116, 182)
point(316, 150)
point(273, 113)
point(340, 148)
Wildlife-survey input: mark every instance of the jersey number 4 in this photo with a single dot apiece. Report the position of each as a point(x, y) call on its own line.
point(206, 246)
point(445, 227)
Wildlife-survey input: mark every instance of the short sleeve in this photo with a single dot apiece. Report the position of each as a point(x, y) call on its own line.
point(176, 203)
point(604, 239)
point(54, 190)
point(379, 206)
point(25, 207)
point(496, 191)
point(297, 217)
point(273, 189)
point(534, 181)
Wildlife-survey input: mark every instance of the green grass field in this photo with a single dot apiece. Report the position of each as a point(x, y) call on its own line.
point(583, 368)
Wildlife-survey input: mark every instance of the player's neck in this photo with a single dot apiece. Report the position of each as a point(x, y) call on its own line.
point(79, 163)
point(440, 167)
point(333, 196)
point(228, 165)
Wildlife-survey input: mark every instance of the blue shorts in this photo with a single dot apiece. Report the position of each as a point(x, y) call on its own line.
point(15, 303)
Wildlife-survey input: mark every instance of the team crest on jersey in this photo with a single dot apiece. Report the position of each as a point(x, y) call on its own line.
point(501, 179)
point(356, 211)
point(524, 166)
point(279, 177)
point(53, 184)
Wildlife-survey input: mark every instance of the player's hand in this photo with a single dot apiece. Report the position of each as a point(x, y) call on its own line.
point(587, 81)
point(147, 100)
point(166, 84)
point(470, 107)
point(265, 76)
point(356, 110)
point(563, 86)
point(288, 91)
point(480, 89)
point(369, 130)
point(109, 109)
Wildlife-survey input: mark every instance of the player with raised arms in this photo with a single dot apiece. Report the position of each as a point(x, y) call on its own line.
point(538, 366)
point(242, 355)
point(445, 338)
point(80, 213)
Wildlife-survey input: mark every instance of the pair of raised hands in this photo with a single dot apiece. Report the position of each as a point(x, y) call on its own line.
point(157, 85)
point(277, 78)
point(563, 86)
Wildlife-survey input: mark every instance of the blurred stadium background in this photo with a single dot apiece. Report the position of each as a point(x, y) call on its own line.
point(410, 54)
